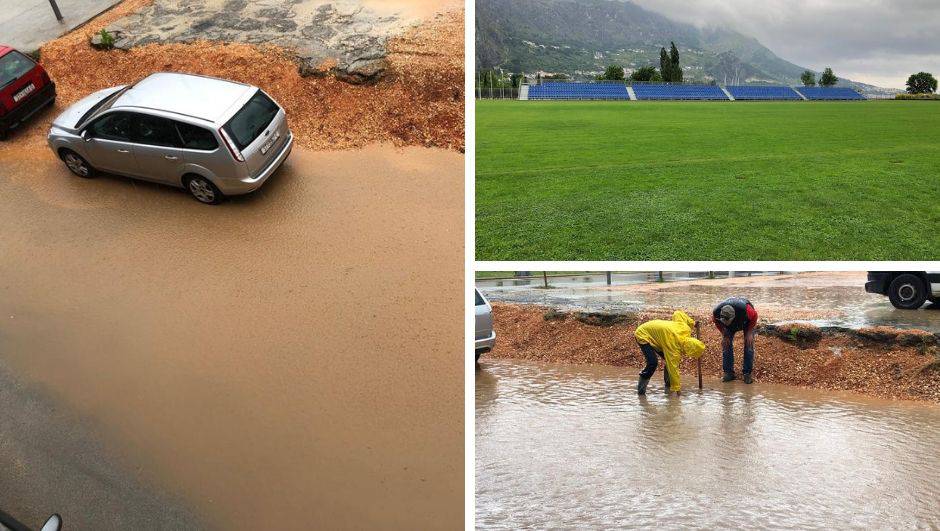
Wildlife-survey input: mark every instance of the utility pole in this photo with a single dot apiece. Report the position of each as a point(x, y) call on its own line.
point(55, 9)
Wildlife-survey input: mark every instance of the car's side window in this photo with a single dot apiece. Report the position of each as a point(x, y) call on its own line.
point(195, 137)
point(112, 126)
point(155, 131)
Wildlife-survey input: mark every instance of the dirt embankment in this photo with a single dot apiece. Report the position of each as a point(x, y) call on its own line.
point(878, 361)
point(418, 103)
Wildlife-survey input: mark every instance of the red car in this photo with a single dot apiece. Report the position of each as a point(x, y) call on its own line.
point(25, 89)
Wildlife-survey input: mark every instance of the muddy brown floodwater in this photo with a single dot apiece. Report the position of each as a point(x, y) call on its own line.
point(290, 359)
point(573, 446)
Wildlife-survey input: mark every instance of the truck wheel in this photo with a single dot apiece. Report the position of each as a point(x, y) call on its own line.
point(907, 292)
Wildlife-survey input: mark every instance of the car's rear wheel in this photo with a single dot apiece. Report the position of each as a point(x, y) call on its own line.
point(907, 292)
point(76, 164)
point(203, 190)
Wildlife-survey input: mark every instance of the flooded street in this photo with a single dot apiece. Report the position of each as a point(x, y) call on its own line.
point(824, 299)
point(265, 364)
point(561, 446)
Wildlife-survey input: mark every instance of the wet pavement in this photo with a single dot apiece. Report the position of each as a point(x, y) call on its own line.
point(824, 299)
point(288, 359)
point(27, 24)
point(562, 446)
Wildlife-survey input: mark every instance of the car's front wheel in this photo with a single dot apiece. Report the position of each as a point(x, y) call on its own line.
point(203, 190)
point(76, 164)
point(907, 292)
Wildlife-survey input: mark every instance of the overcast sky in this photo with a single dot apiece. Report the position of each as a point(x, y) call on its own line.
point(880, 42)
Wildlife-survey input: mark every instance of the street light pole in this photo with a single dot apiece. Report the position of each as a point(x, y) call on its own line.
point(55, 9)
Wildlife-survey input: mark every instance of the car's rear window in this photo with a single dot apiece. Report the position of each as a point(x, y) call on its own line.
point(251, 120)
point(13, 66)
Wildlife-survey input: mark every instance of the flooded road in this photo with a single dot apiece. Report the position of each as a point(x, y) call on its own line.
point(289, 359)
point(824, 299)
point(562, 446)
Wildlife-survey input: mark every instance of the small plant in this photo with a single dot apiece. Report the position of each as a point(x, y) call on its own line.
point(107, 40)
point(794, 333)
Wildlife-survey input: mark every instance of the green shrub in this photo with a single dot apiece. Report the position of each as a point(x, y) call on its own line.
point(917, 97)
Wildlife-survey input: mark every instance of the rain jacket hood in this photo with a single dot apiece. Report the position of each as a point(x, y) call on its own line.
point(674, 339)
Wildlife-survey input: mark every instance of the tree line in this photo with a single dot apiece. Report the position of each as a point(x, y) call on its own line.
point(670, 69)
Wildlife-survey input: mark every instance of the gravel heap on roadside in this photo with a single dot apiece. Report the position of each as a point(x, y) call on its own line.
point(882, 362)
point(418, 103)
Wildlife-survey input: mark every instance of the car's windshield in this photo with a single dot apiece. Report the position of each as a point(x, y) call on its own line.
point(251, 120)
point(13, 66)
point(480, 301)
point(101, 106)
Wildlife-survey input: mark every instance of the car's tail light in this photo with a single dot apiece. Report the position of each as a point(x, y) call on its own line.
point(45, 77)
point(228, 143)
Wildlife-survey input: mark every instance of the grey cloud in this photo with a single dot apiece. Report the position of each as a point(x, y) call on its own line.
point(866, 40)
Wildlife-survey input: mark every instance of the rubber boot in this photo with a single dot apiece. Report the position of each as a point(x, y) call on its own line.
point(641, 385)
point(728, 377)
point(666, 379)
point(748, 379)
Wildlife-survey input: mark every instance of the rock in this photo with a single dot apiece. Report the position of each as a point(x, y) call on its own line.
point(555, 315)
point(350, 38)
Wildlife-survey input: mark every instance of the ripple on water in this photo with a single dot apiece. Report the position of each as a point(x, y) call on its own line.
point(563, 446)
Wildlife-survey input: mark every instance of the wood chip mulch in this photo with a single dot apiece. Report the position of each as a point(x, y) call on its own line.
point(419, 103)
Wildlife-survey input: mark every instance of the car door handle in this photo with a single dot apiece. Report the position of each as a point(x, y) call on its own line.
point(123, 151)
point(170, 157)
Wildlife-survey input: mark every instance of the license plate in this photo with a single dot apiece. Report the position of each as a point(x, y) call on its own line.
point(26, 91)
point(267, 145)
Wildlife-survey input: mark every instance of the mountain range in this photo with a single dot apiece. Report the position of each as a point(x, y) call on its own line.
point(581, 38)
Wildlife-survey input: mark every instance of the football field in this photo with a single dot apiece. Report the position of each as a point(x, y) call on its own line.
point(707, 181)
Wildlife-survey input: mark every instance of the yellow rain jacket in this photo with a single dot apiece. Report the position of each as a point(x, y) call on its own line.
point(674, 339)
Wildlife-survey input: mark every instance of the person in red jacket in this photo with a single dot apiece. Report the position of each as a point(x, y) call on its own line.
point(733, 315)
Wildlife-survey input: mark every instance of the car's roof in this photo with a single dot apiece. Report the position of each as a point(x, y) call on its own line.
point(202, 97)
point(4, 49)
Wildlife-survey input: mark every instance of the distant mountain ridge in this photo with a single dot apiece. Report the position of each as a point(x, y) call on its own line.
point(582, 37)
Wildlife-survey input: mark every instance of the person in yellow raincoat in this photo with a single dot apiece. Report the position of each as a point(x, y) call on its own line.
point(669, 340)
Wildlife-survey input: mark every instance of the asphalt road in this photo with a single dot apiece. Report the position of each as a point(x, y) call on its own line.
point(290, 359)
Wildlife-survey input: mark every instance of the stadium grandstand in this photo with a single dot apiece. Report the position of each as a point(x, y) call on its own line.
point(570, 90)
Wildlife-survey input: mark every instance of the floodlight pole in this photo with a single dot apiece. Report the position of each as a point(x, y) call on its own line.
point(55, 9)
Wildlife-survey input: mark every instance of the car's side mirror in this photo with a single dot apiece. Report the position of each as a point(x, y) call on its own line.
point(86, 135)
point(54, 523)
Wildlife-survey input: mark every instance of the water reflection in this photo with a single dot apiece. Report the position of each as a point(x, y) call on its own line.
point(562, 447)
point(838, 305)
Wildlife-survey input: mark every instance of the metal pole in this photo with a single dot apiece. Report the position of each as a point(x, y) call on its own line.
point(545, 277)
point(698, 335)
point(608, 278)
point(55, 9)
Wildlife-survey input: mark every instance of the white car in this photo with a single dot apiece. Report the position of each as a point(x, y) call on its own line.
point(485, 338)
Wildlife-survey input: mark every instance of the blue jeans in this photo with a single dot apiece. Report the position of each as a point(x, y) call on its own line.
point(727, 352)
point(651, 355)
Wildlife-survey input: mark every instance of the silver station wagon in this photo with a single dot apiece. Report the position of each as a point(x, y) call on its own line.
point(210, 136)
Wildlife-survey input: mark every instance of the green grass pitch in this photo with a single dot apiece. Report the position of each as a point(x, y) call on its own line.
point(707, 181)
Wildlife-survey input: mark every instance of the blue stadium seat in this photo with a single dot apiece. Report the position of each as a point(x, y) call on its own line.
point(679, 92)
point(578, 91)
point(829, 93)
point(748, 93)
